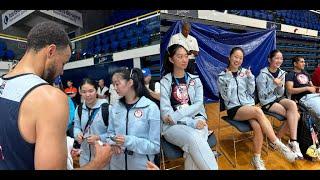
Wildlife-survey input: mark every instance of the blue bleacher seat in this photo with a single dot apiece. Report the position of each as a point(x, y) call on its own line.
point(105, 40)
point(243, 13)
point(97, 42)
point(105, 48)
point(2, 53)
point(114, 46)
point(97, 50)
point(3, 45)
point(124, 44)
point(145, 39)
point(112, 37)
point(139, 30)
point(9, 54)
point(133, 42)
point(121, 35)
point(129, 33)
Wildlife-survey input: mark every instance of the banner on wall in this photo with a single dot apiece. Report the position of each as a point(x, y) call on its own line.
point(12, 16)
point(215, 45)
point(70, 16)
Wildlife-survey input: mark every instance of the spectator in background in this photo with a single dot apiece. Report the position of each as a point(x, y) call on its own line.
point(189, 42)
point(71, 91)
point(152, 86)
point(58, 84)
point(316, 76)
point(300, 87)
point(102, 90)
point(114, 97)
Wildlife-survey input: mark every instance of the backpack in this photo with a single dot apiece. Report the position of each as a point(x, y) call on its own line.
point(104, 110)
point(304, 135)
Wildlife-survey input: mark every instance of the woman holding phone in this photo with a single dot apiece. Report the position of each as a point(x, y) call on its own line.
point(134, 124)
point(271, 87)
point(90, 127)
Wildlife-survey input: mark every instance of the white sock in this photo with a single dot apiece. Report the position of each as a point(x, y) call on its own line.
point(257, 156)
point(277, 142)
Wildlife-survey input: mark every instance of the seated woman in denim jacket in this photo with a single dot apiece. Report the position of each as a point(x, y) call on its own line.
point(183, 113)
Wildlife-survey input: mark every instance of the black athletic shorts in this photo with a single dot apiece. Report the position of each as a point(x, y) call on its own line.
point(233, 111)
point(268, 106)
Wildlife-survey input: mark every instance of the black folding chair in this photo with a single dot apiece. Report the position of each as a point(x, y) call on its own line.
point(240, 126)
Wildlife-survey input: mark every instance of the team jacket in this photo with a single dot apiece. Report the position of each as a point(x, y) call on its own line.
point(267, 90)
point(236, 91)
point(141, 128)
point(195, 91)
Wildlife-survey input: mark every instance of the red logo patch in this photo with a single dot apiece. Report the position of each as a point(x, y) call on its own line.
point(241, 74)
point(192, 82)
point(138, 113)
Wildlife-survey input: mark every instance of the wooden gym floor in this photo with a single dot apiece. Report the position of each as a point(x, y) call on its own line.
point(273, 159)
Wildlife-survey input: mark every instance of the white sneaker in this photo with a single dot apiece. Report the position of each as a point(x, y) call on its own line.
point(294, 146)
point(273, 146)
point(258, 163)
point(286, 152)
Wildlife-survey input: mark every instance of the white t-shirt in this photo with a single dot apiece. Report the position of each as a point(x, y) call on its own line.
point(69, 148)
point(156, 87)
point(103, 91)
point(190, 43)
point(114, 97)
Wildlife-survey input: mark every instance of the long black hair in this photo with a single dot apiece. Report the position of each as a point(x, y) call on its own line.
point(138, 81)
point(171, 51)
point(234, 50)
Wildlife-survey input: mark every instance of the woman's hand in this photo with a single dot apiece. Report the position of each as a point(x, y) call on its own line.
point(168, 120)
point(80, 138)
point(201, 124)
point(92, 139)
point(116, 149)
point(119, 139)
point(151, 166)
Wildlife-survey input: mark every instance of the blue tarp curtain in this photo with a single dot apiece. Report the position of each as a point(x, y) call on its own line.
point(215, 45)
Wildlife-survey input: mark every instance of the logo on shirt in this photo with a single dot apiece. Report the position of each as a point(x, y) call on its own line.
point(241, 74)
point(192, 82)
point(302, 78)
point(138, 113)
point(2, 86)
point(180, 93)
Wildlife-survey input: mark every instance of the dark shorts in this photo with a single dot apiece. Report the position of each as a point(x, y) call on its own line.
point(233, 111)
point(268, 106)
